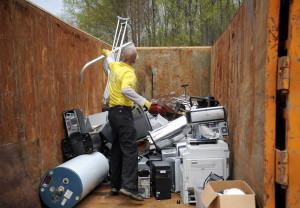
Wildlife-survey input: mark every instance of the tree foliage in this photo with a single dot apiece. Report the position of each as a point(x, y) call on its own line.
point(154, 22)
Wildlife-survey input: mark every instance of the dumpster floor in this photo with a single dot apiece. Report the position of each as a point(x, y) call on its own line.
point(101, 197)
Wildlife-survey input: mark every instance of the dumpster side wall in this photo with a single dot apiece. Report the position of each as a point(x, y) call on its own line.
point(162, 70)
point(40, 61)
point(243, 79)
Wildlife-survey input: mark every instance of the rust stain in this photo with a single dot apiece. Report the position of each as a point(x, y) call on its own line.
point(172, 67)
point(148, 70)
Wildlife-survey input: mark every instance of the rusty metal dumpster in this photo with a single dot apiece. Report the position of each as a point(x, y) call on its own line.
point(255, 73)
point(253, 70)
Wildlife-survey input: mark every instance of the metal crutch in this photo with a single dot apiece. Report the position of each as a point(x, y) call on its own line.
point(95, 61)
point(114, 47)
point(123, 26)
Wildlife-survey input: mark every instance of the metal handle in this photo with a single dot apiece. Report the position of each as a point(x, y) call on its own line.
point(88, 64)
point(122, 18)
point(96, 60)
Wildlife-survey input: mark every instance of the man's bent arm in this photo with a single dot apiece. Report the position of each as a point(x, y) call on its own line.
point(132, 95)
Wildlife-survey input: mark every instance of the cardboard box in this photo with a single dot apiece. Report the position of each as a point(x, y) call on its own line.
point(211, 199)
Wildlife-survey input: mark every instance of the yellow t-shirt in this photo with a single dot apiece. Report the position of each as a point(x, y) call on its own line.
point(121, 76)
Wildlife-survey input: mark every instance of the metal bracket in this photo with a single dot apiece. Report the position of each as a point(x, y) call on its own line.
point(281, 161)
point(283, 74)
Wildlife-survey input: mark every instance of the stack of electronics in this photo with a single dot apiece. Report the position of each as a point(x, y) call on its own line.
point(183, 152)
point(78, 138)
point(194, 147)
point(93, 133)
point(156, 173)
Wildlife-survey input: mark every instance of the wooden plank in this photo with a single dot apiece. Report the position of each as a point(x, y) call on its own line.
point(15, 187)
point(101, 197)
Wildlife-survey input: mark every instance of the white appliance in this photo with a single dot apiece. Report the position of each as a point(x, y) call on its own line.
point(175, 173)
point(198, 161)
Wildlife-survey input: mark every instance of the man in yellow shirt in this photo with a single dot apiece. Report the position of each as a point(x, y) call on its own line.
point(124, 151)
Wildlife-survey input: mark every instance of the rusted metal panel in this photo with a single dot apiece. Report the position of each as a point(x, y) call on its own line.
point(293, 107)
point(270, 102)
point(171, 67)
point(281, 163)
point(283, 74)
point(16, 189)
point(243, 79)
point(40, 61)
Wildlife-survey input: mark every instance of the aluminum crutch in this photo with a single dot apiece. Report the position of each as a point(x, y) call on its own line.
point(114, 46)
point(95, 61)
point(123, 25)
point(123, 22)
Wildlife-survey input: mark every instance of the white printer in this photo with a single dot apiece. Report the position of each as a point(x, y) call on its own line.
point(198, 161)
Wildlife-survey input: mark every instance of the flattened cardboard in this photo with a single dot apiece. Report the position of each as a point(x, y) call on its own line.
point(211, 199)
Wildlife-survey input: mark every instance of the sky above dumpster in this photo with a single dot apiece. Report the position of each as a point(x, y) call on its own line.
point(53, 6)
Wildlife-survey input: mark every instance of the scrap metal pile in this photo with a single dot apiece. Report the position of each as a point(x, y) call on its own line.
point(180, 145)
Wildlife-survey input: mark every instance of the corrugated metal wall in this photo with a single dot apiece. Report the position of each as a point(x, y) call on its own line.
point(40, 61)
point(243, 77)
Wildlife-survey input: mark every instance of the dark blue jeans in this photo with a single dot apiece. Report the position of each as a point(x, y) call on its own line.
point(124, 152)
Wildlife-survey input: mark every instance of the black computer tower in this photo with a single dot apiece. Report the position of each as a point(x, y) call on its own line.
point(74, 121)
point(161, 180)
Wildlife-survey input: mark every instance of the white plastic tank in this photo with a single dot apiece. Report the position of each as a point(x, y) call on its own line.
point(68, 183)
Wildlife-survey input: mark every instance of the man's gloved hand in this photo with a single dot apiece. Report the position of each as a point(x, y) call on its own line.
point(147, 105)
point(105, 52)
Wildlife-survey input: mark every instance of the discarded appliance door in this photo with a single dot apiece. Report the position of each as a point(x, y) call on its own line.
point(68, 183)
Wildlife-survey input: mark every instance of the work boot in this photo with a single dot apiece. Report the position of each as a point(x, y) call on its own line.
point(114, 191)
point(133, 194)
